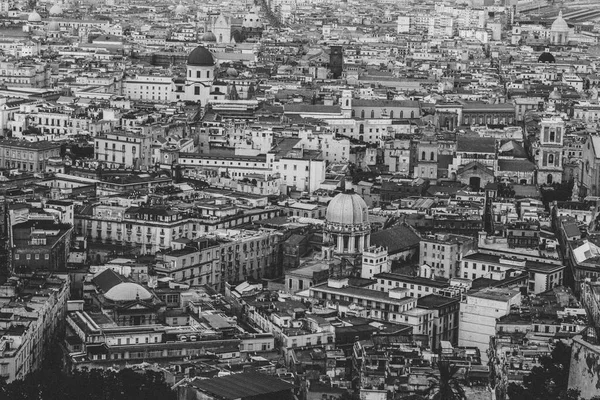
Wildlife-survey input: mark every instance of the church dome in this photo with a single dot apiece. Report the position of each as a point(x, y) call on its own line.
point(209, 37)
point(201, 57)
point(546, 57)
point(559, 24)
point(180, 9)
point(127, 291)
point(555, 95)
point(55, 10)
point(347, 209)
point(34, 17)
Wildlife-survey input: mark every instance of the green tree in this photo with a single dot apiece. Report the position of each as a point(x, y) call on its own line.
point(548, 381)
point(447, 385)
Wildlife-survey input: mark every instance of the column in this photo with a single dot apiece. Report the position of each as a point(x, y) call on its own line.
point(340, 244)
point(351, 244)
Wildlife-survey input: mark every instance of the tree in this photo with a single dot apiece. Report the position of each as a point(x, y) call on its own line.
point(95, 384)
point(446, 386)
point(548, 381)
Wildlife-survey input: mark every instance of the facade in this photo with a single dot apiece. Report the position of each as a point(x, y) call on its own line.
point(224, 256)
point(443, 252)
point(40, 245)
point(28, 332)
point(543, 274)
point(478, 314)
point(446, 317)
point(123, 150)
point(27, 156)
point(549, 159)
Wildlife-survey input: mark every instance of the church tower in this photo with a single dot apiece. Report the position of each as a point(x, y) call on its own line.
point(374, 261)
point(549, 155)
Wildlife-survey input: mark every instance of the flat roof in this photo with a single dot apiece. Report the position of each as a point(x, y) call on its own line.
point(244, 385)
point(529, 265)
point(412, 279)
point(367, 294)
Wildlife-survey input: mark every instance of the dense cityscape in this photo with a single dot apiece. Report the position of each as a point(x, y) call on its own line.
point(300, 200)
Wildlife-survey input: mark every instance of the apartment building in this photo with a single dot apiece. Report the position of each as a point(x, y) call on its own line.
point(120, 149)
point(227, 255)
point(27, 156)
point(443, 252)
point(28, 326)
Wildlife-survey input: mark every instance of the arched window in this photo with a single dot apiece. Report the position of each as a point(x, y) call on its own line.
point(361, 128)
point(353, 113)
point(423, 156)
point(401, 114)
point(372, 113)
point(551, 159)
point(208, 74)
point(362, 114)
point(432, 156)
point(392, 114)
point(412, 114)
point(220, 37)
point(347, 102)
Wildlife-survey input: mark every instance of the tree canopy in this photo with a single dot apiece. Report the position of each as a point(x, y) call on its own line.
point(548, 381)
point(95, 384)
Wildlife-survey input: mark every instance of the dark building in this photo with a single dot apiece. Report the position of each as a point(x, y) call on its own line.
point(245, 386)
point(445, 322)
point(336, 61)
point(523, 234)
point(40, 245)
point(295, 247)
point(396, 190)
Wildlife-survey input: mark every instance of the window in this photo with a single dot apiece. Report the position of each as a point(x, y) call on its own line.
point(197, 91)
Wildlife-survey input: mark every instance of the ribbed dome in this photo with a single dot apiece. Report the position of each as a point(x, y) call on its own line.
point(348, 209)
point(180, 9)
point(546, 57)
point(34, 17)
point(559, 24)
point(128, 291)
point(55, 10)
point(201, 57)
point(209, 37)
point(555, 95)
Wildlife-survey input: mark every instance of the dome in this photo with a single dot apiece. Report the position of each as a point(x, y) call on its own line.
point(546, 57)
point(201, 57)
point(232, 72)
point(34, 17)
point(559, 24)
point(555, 95)
point(348, 209)
point(55, 10)
point(209, 37)
point(128, 291)
point(180, 9)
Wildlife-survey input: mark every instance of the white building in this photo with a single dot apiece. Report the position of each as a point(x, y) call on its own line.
point(478, 315)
